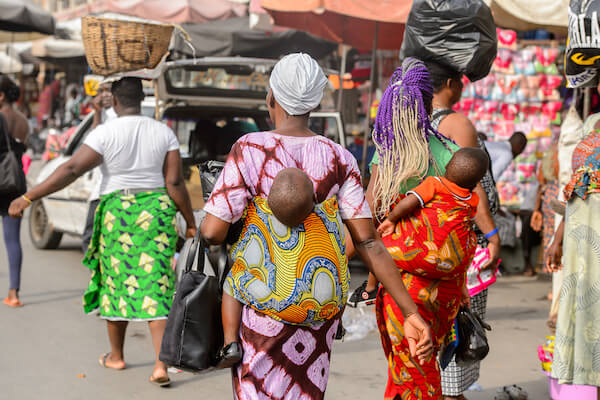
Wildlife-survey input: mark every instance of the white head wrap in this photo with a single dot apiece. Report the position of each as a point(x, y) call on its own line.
point(297, 82)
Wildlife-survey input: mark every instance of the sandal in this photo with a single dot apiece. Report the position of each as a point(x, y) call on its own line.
point(513, 392)
point(229, 355)
point(14, 303)
point(102, 361)
point(160, 381)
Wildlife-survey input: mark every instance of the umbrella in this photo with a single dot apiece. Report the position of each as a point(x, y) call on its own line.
point(24, 16)
point(362, 24)
point(234, 37)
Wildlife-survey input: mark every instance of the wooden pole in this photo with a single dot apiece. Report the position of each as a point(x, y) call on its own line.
point(365, 162)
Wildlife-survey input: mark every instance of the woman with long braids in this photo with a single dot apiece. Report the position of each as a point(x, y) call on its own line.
point(408, 151)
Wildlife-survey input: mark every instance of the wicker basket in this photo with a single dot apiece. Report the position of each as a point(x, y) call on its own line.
point(113, 45)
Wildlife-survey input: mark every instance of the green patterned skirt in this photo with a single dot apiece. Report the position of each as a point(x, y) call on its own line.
point(130, 257)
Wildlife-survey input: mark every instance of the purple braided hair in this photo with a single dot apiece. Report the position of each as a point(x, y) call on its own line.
point(409, 85)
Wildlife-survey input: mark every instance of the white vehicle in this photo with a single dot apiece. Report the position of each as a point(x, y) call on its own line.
point(209, 104)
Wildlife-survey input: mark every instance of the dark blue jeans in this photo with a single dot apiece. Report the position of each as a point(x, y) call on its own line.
point(12, 240)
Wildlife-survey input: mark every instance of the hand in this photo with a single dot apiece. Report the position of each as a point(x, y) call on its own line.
point(465, 298)
point(554, 261)
point(17, 207)
point(386, 228)
point(494, 249)
point(536, 221)
point(418, 335)
point(190, 232)
point(96, 103)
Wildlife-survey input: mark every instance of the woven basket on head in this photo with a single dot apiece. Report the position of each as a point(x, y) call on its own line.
point(113, 45)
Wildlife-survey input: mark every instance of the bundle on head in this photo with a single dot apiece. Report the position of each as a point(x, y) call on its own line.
point(401, 132)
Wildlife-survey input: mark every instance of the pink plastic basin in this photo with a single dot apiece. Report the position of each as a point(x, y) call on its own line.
point(570, 392)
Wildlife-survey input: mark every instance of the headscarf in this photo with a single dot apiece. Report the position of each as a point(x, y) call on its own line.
point(297, 82)
point(402, 130)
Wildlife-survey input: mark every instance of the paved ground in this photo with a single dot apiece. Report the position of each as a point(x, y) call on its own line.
point(50, 348)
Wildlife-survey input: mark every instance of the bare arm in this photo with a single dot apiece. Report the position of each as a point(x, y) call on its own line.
point(82, 161)
point(554, 261)
point(214, 230)
point(176, 189)
point(405, 207)
point(374, 254)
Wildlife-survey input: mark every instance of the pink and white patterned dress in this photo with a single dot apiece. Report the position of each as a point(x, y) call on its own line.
point(283, 361)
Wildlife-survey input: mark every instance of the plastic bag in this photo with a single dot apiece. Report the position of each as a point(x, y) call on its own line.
point(472, 344)
point(460, 34)
point(582, 58)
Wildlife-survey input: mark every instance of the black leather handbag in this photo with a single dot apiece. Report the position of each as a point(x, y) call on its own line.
point(12, 178)
point(194, 332)
point(472, 340)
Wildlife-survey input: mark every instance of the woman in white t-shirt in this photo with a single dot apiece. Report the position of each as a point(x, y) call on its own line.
point(134, 230)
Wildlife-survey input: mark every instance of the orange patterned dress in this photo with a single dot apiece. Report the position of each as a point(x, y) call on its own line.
point(434, 247)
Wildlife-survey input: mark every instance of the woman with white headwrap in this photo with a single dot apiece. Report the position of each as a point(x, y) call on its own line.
point(293, 282)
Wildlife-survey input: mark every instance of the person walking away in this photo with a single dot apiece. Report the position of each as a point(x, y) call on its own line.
point(103, 112)
point(134, 233)
point(293, 300)
point(575, 251)
point(15, 128)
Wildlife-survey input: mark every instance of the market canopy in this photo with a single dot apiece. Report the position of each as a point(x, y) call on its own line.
point(22, 20)
point(526, 15)
point(234, 37)
point(342, 21)
point(169, 11)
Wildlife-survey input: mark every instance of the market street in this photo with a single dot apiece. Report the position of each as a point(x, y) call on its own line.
point(50, 348)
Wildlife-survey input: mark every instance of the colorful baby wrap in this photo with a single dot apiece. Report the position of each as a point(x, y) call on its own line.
point(295, 275)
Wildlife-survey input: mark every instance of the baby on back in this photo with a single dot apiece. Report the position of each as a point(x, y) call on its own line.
point(291, 199)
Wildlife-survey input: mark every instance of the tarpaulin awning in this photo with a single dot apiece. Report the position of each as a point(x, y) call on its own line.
point(168, 11)
point(57, 48)
point(234, 37)
point(523, 15)
point(349, 22)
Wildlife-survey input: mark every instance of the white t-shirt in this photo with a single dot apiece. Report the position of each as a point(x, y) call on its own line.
point(501, 155)
point(134, 150)
point(107, 115)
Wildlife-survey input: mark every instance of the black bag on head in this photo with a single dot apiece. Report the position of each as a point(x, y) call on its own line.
point(194, 333)
point(582, 58)
point(12, 178)
point(460, 34)
point(472, 343)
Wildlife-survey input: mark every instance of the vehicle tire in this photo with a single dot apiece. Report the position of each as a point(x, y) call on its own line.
point(40, 231)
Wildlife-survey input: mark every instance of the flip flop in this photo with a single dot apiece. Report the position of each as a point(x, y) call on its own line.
point(161, 381)
point(102, 361)
point(15, 303)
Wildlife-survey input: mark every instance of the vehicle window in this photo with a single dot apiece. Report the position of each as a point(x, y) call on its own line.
point(253, 80)
point(210, 138)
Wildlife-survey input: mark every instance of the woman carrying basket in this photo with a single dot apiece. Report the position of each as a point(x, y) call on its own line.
point(134, 231)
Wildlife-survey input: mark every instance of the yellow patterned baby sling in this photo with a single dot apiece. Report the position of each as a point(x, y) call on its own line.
point(295, 275)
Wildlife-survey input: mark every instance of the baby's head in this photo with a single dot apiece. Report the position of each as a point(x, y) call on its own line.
point(467, 166)
point(292, 196)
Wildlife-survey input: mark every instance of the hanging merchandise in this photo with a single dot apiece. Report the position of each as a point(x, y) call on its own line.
point(521, 94)
point(460, 34)
point(582, 59)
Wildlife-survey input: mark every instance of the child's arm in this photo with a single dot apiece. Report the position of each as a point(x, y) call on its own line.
point(404, 208)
